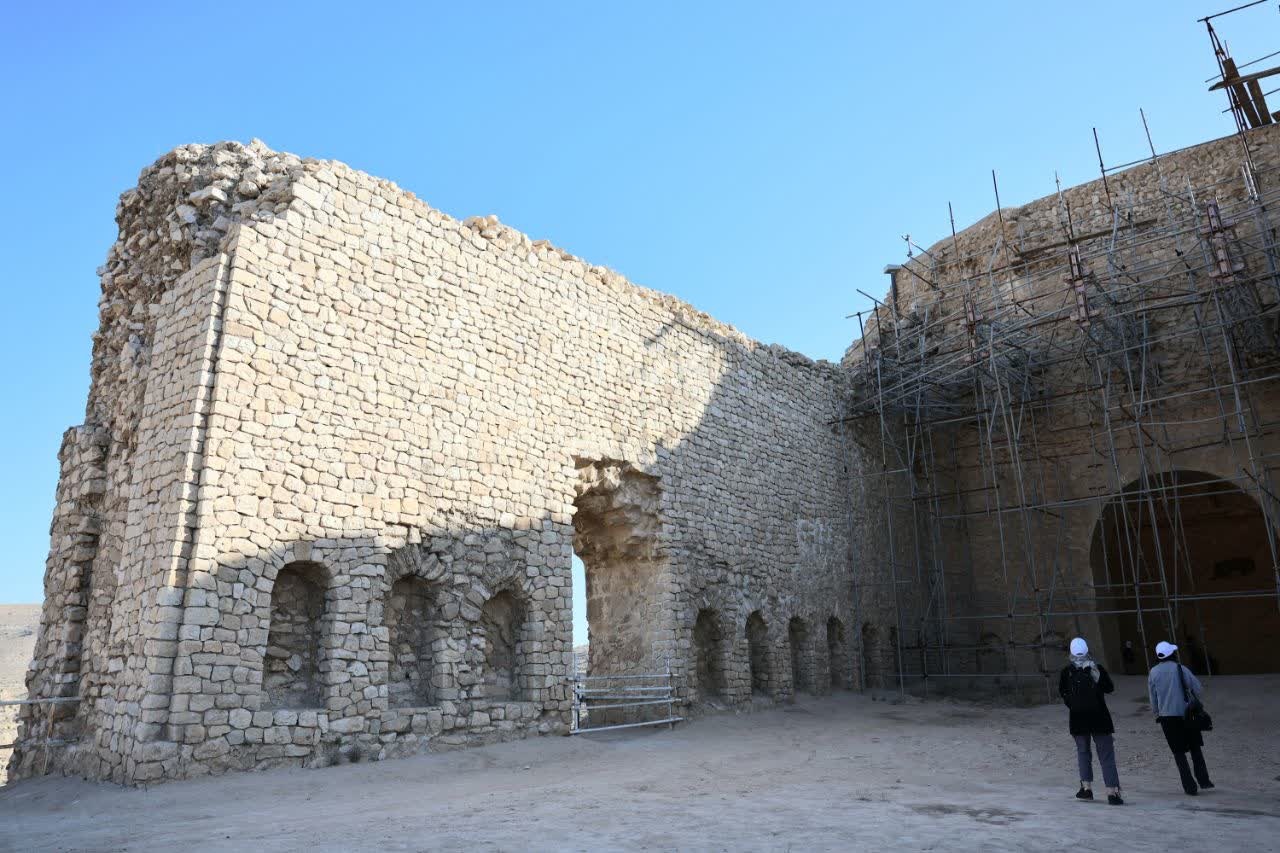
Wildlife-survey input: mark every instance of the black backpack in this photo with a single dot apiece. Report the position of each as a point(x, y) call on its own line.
point(1082, 691)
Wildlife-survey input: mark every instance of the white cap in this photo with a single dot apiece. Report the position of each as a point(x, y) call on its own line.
point(1079, 647)
point(1163, 649)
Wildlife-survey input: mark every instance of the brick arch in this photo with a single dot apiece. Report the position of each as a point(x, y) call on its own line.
point(414, 561)
point(269, 569)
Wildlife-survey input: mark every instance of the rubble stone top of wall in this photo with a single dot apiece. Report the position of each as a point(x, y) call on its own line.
point(207, 188)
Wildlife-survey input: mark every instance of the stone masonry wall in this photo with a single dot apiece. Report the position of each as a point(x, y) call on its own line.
point(320, 372)
point(1075, 451)
point(128, 484)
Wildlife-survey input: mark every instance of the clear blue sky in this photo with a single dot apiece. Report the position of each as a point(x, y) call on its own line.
point(760, 162)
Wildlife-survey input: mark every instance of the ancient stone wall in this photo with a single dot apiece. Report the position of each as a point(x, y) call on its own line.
point(128, 474)
point(339, 449)
point(1000, 516)
point(350, 445)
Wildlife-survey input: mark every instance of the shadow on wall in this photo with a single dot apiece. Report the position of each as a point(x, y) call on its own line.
point(872, 672)
point(412, 616)
point(801, 654)
point(462, 633)
point(709, 651)
point(448, 641)
point(295, 648)
point(759, 655)
point(838, 660)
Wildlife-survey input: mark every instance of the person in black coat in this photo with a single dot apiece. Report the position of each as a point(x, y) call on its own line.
point(1083, 686)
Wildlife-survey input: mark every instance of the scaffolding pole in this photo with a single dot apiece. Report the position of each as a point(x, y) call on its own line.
point(1022, 390)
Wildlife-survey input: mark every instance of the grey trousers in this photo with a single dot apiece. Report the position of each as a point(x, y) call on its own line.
point(1106, 758)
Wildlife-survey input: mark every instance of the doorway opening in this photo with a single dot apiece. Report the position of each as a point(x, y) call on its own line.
point(616, 527)
point(1186, 557)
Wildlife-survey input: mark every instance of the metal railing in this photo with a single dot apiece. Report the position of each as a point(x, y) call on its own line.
point(49, 740)
point(635, 692)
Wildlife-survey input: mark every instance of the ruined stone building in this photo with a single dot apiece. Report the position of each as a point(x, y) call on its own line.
point(1073, 409)
point(339, 451)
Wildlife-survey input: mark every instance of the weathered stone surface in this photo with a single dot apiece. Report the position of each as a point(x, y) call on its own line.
point(1131, 342)
point(339, 449)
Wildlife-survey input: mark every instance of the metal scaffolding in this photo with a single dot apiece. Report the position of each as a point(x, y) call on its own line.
point(1052, 381)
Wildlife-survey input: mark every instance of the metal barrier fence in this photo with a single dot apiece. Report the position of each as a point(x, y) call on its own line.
point(49, 739)
point(625, 696)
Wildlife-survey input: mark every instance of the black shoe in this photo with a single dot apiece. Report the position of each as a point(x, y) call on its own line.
point(1191, 792)
point(1084, 794)
point(1115, 800)
point(1206, 785)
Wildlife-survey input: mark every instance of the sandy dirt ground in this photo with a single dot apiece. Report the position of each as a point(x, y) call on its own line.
point(850, 772)
point(17, 637)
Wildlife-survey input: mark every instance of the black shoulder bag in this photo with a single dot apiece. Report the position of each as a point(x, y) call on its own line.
point(1196, 716)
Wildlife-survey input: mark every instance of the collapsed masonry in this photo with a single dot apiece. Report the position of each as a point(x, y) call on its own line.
point(340, 449)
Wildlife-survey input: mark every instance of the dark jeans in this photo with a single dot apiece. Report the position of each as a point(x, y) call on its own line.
point(1106, 759)
point(1183, 740)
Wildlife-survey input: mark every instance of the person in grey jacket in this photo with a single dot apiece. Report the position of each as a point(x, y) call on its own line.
point(1169, 704)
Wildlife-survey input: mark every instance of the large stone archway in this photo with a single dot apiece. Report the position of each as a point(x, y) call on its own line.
point(1186, 556)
